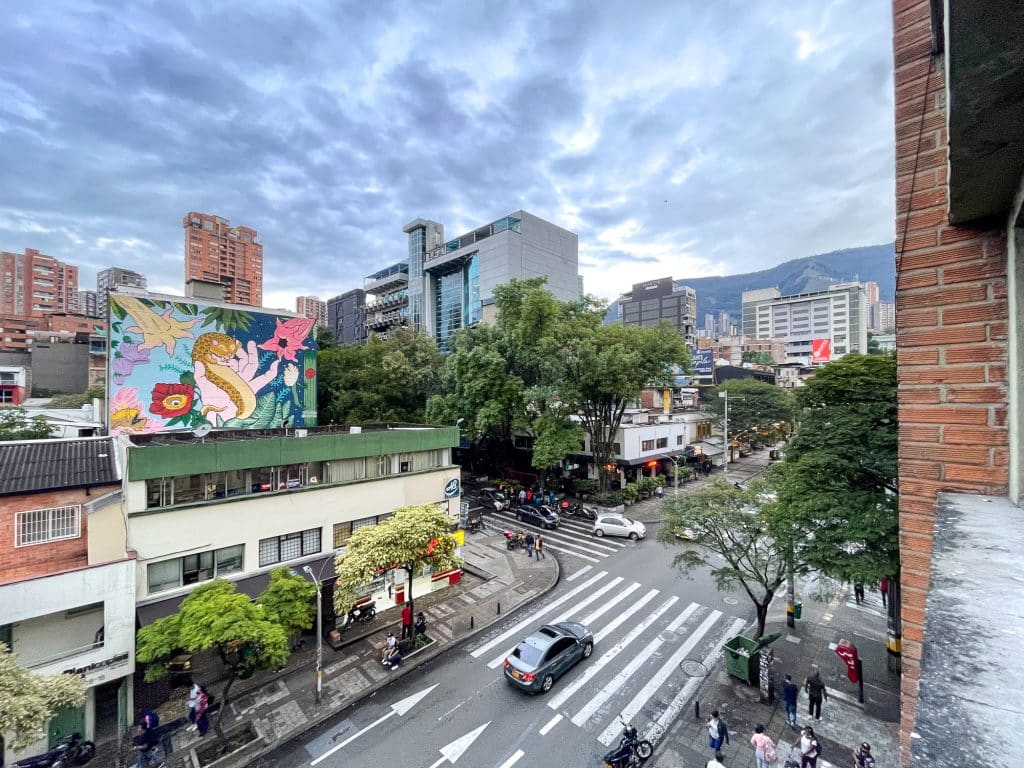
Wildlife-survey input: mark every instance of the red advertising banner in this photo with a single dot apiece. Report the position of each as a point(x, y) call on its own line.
point(821, 350)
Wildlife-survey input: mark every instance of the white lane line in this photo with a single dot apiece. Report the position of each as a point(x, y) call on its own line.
point(549, 548)
point(651, 687)
point(550, 724)
point(579, 573)
point(592, 617)
point(512, 760)
point(565, 691)
point(498, 660)
point(518, 626)
point(602, 696)
point(624, 616)
point(585, 544)
point(568, 535)
point(682, 698)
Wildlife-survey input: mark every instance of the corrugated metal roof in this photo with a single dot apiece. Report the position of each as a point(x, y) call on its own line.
point(43, 465)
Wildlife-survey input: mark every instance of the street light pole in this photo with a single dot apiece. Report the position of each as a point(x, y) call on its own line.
point(319, 634)
point(724, 394)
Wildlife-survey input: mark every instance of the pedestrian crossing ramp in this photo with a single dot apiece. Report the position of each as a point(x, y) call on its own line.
point(643, 639)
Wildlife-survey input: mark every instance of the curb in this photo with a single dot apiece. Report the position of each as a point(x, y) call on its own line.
point(319, 719)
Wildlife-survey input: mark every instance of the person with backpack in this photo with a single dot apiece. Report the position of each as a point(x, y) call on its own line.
point(809, 748)
point(816, 693)
point(193, 699)
point(764, 748)
point(202, 705)
point(718, 732)
point(862, 757)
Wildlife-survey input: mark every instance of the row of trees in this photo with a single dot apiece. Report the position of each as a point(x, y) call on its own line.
point(830, 506)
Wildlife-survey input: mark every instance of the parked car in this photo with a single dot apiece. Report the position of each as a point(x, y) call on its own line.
point(543, 516)
point(618, 525)
point(494, 499)
point(547, 654)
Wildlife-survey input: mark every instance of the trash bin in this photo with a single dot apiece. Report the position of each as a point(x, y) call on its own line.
point(773, 454)
point(798, 609)
point(742, 659)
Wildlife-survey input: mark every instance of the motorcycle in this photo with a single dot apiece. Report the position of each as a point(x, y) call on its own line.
point(578, 510)
point(364, 612)
point(632, 751)
point(514, 540)
point(71, 750)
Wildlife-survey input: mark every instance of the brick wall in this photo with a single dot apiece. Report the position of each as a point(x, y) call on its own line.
point(951, 320)
point(18, 563)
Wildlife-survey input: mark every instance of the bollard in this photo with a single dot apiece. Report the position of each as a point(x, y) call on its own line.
point(470, 622)
point(499, 609)
point(696, 710)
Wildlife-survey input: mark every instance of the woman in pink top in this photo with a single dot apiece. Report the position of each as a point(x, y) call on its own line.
point(764, 748)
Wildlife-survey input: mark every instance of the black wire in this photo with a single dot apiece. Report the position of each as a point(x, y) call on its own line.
point(913, 175)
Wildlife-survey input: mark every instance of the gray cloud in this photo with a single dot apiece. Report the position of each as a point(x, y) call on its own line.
point(680, 138)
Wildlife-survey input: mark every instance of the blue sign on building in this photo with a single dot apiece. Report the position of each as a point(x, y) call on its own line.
point(704, 362)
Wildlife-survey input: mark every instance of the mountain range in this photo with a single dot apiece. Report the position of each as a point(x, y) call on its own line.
point(811, 273)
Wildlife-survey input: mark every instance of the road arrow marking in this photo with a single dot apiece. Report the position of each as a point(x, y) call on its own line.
point(453, 751)
point(398, 708)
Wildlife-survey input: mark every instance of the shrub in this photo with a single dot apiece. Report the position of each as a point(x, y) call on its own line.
point(631, 492)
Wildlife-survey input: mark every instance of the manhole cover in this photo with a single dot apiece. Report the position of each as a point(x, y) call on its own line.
point(694, 668)
point(668, 636)
point(731, 600)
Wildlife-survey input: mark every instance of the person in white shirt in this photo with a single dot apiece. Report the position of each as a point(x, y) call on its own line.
point(193, 700)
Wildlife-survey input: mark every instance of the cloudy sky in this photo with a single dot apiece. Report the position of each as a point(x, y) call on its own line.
point(681, 137)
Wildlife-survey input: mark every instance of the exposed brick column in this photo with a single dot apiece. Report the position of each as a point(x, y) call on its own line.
point(951, 320)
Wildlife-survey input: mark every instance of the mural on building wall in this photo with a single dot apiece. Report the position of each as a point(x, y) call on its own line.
point(176, 365)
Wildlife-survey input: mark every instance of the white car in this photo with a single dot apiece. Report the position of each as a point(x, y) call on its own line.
point(618, 525)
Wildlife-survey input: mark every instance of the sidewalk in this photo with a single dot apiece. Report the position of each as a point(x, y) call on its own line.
point(844, 722)
point(283, 705)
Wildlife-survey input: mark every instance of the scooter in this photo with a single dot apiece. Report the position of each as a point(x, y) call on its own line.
point(364, 612)
point(632, 751)
point(578, 510)
point(513, 540)
point(71, 750)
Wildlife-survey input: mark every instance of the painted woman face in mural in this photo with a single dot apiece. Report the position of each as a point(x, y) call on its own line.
point(230, 376)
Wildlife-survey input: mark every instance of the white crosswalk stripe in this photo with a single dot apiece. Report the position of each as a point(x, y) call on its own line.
point(572, 537)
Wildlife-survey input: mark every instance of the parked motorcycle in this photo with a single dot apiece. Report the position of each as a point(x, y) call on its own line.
point(632, 750)
point(514, 540)
point(71, 750)
point(578, 510)
point(363, 612)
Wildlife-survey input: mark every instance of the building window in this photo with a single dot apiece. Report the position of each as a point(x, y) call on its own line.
point(6, 396)
point(679, 439)
point(342, 533)
point(363, 522)
point(39, 526)
point(405, 462)
point(290, 546)
point(192, 569)
point(647, 445)
point(379, 467)
point(663, 442)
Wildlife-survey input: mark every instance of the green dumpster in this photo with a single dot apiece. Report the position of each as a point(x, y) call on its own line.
point(742, 659)
point(798, 609)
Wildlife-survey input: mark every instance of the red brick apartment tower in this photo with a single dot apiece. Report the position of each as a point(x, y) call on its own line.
point(959, 72)
point(33, 284)
point(217, 252)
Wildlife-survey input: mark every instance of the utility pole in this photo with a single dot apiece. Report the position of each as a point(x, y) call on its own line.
point(728, 451)
point(319, 633)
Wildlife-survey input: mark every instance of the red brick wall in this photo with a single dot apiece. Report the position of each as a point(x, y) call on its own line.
point(18, 563)
point(951, 319)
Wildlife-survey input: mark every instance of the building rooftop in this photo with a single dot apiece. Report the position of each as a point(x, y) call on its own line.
point(43, 465)
point(227, 435)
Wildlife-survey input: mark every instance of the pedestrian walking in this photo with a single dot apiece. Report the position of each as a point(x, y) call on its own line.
point(407, 621)
point(816, 693)
point(530, 541)
point(529, 495)
point(193, 699)
point(862, 757)
point(809, 748)
point(522, 496)
point(883, 590)
point(790, 693)
point(538, 547)
point(858, 592)
point(202, 720)
point(716, 761)
point(718, 732)
point(552, 498)
point(764, 748)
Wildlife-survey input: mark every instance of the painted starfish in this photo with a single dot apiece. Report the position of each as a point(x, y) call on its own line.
point(156, 329)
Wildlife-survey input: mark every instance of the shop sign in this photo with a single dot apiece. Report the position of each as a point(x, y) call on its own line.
point(89, 671)
point(452, 488)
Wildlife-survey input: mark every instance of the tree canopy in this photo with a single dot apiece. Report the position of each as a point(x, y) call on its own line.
point(753, 405)
point(838, 482)
point(290, 600)
point(382, 380)
point(409, 539)
point(29, 700)
point(16, 425)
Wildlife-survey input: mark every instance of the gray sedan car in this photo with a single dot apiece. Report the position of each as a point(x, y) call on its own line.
point(547, 654)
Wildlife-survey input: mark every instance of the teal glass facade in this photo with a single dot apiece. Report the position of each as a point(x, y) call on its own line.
point(457, 299)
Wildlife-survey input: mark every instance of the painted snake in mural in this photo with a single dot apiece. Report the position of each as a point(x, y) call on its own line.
point(226, 375)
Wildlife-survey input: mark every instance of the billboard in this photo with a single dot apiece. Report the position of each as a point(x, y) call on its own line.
point(176, 365)
point(704, 361)
point(821, 350)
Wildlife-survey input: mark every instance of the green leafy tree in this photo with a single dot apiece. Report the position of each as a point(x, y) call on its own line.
point(838, 482)
point(215, 616)
point(411, 538)
point(77, 401)
point(739, 526)
point(29, 700)
point(16, 425)
point(290, 600)
point(753, 405)
point(758, 358)
point(873, 347)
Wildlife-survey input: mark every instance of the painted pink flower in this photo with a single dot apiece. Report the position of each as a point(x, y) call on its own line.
point(288, 337)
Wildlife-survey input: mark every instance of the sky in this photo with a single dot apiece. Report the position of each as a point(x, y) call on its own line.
point(675, 137)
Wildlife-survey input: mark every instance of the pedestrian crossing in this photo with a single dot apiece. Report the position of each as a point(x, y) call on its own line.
point(641, 639)
point(573, 536)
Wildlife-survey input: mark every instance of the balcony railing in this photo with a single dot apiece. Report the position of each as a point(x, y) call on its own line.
point(68, 653)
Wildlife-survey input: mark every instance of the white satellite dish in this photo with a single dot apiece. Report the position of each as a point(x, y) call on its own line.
point(202, 430)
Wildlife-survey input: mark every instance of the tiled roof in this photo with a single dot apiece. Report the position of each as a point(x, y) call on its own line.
point(43, 465)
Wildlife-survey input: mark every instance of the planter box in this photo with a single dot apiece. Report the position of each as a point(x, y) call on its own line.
point(430, 642)
point(206, 755)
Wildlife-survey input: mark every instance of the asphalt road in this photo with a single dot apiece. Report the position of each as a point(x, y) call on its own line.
point(459, 710)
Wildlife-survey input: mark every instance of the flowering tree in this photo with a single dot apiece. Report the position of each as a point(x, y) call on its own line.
point(30, 700)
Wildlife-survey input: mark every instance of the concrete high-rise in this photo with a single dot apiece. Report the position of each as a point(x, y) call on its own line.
point(87, 304)
point(312, 307)
point(113, 279)
point(217, 252)
point(652, 301)
point(34, 284)
point(346, 316)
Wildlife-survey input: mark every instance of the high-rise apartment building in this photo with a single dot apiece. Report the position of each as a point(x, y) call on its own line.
point(838, 314)
point(652, 301)
point(724, 323)
point(217, 252)
point(346, 316)
point(113, 279)
point(871, 287)
point(312, 307)
point(883, 316)
point(87, 304)
point(33, 284)
point(709, 324)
